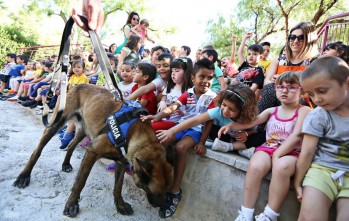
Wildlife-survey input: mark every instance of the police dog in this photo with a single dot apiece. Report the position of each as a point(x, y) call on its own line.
point(90, 106)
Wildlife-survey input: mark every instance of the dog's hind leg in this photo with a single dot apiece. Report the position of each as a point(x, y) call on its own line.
point(23, 178)
point(71, 208)
point(122, 207)
point(79, 136)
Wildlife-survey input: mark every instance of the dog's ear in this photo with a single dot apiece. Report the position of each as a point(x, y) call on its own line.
point(145, 167)
point(170, 155)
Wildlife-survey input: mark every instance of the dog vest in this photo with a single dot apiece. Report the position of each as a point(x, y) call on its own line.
point(117, 124)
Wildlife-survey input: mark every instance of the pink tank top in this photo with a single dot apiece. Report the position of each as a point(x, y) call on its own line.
point(277, 130)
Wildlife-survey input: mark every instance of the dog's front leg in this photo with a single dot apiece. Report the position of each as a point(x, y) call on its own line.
point(71, 208)
point(122, 207)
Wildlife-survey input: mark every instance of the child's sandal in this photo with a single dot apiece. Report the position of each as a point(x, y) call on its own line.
point(172, 200)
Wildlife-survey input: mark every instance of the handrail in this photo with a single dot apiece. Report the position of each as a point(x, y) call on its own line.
point(322, 28)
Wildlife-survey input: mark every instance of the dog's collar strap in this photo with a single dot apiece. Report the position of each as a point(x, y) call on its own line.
point(117, 124)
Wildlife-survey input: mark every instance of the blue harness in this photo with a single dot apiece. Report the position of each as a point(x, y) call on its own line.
point(118, 123)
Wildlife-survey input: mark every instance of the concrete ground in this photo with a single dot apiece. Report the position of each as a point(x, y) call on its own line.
point(45, 197)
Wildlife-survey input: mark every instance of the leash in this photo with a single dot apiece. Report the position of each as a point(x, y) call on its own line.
point(61, 71)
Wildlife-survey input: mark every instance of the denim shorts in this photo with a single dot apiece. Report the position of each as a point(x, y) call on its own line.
point(195, 135)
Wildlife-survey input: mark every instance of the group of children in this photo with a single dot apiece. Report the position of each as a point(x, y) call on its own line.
point(186, 108)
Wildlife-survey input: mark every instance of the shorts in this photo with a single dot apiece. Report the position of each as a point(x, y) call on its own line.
point(195, 135)
point(5, 78)
point(270, 151)
point(319, 177)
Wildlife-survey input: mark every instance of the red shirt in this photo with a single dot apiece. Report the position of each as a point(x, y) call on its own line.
point(150, 97)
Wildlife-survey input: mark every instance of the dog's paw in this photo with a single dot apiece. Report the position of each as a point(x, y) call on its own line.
point(22, 181)
point(72, 210)
point(125, 209)
point(67, 168)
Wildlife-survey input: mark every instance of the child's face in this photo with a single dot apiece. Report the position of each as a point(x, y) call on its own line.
point(326, 92)
point(127, 73)
point(19, 60)
point(9, 59)
point(253, 57)
point(112, 63)
point(30, 66)
point(330, 52)
point(202, 80)
point(205, 55)
point(38, 65)
point(177, 75)
point(144, 26)
point(163, 68)
point(138, 77)
point(155, 55)
point(78, 69)
point(266, 51)
point(288, 93)
point(229, 109)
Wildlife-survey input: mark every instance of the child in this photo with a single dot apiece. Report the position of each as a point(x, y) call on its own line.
point(280, 152)
point(182, 71)
point(76, 77)
point(236, 104)
point(249, 72)
point(145, 73)
point(264, 63)
point(160, 82)
point(127, 72)
point(101, 78)
point(229, 67)
point(4, 75)
point(322, 176)
point(142, 30)
point(337, 49)
point(218, 83)
point(196, 101)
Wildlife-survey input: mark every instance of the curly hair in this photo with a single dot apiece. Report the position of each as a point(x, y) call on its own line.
point(244, 99)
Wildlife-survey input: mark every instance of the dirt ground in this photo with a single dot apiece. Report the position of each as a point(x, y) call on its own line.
point(45, 197)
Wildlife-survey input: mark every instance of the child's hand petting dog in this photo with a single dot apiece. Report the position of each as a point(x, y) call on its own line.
point(164, 135)
point(147, 118)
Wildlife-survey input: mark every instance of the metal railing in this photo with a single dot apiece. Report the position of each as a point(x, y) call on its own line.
point(332, 32)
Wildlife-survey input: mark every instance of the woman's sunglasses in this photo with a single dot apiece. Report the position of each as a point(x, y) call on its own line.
point(294, 37)
point(137, 19)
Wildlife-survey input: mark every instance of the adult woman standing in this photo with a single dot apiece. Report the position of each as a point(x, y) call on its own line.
point(130, 53)
point(299, 51)
point(132, 20)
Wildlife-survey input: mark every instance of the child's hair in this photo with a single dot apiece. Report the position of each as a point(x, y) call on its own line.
point(290, 77)
point(159, 47)
point(187, 49)
point(112, 57)
point(75, 63)
point(203, 63)
point(76, 57)
point(164, 56)
point(310, 39)
point(23, 58)
point(11, 55)
point(110, 46)
point(333, 67)
point(186, 65)
point(256, 48)
point(145, 22)
point(266, 43)
point(211, 52)
point(147, 50)
point(149, 70)
point(131, 64)
point(244, 99)
point(133, 41)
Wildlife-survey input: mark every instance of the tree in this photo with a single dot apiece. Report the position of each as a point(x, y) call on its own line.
point(266, 18)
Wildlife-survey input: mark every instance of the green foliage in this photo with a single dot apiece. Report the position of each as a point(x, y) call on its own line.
point(8, 44)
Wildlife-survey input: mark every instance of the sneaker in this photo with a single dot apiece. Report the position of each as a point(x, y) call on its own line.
point(50, 110)
point(221, 145)
point(23, 98)
point(85, 142)
point(247, 152)
point(29, 103)
point(14, 98)
point(172, 200)
point(262, 217)
point(39, 107)
point(241, 217)
point(38, 112)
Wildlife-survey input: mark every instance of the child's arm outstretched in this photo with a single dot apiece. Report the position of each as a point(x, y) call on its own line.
point(233, 48)
point(309, 146)
point(242, 47)
point(261, 118)
point(296, 137)
point(142, 90)
point(165, 135)
point(164, 113)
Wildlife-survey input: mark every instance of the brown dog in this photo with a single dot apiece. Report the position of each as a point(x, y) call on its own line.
point(90, 106)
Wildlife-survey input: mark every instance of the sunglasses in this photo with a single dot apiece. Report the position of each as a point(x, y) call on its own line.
point(290, 88)
point(136, 19)
point(294, 37)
